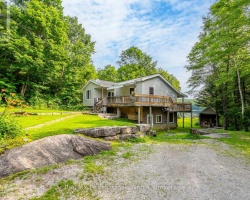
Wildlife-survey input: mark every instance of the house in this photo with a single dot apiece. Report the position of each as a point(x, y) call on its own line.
point(207, 117)
point(151, 99)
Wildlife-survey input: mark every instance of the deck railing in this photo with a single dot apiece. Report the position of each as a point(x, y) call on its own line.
point(148, 100)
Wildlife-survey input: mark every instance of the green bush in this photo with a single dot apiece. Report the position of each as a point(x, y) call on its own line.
point(9, 127)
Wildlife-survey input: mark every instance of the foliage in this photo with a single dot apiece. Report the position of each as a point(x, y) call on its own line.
point(134, 63)
point(220, 62)
point(109, 73)
point(9, 127)
point(48, 56)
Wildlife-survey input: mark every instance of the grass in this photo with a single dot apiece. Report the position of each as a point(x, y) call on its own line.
point(64, 189)
point(62, 127)
point(187, 123)
point(81, 121)
point(32, 120)
point(31, 110)
point(95, 165)
point(239, 140)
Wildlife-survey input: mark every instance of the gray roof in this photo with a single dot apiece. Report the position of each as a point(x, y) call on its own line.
point(111, 85)
point(208, 111)
point(103, 83)
point(179, 94)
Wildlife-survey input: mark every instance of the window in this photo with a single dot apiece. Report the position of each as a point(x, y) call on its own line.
point(151, 90)
point(88, 94)
point(111, 94)
point(171, 117)
point(148, 119)
point(158, 119)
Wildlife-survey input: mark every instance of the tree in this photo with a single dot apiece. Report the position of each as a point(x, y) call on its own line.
point(48, 55)
point(222, 54)
point(134, 64)
point(109, 73)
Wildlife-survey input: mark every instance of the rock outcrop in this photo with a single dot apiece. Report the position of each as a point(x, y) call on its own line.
point(117, 132)
point(48, 151)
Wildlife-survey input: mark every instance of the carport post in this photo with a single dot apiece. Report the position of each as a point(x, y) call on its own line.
point(139, 115)
point(182, 112)
point(191, 118)
point(151, 117)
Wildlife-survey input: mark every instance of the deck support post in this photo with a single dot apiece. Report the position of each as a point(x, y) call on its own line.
point(182, 119)
point(139, 115)
point(151, 117)
point(118, 113)
point(191, 118)
point(168, 121)
point(182, 112)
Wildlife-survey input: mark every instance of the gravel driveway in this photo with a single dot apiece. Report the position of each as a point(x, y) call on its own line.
point(207, 170)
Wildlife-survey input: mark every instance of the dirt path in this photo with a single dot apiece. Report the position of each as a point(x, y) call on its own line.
point(209, 170)
point(180, 172)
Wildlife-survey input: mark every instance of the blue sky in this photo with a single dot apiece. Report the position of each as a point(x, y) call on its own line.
point(164, 29)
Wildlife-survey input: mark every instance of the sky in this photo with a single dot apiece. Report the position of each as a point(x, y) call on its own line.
point(166, 30)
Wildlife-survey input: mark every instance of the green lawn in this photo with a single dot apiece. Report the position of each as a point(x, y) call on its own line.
point(187, 124)
point(239, 140)
point(65, 126)
point(32, 120)
point(31, 110)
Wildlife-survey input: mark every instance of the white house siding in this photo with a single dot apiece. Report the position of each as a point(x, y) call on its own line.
point(125, 91)
point(94, 94)
point(138, 89)
point(160, 88)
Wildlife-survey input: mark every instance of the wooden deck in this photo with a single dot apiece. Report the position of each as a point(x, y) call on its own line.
point(148, 100)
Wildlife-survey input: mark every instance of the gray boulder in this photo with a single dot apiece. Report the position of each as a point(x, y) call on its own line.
point(143, 128)
point(48, 151)
point(129, 136)
point(99, 132)
point(128, 130)
point(113, 138)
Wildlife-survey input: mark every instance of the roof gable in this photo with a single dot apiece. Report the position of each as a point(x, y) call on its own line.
point(208, 111)
point(100, 83)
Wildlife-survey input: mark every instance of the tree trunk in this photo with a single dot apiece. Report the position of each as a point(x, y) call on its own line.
point(241, 96)
point(225, 99)
point(225, 109)
point(24, 87)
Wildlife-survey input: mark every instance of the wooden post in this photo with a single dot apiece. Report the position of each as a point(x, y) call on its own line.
point(151, 117)
point(102, 93)
point(139, 115)
point(191, 118)
point(168, 121)
point(182, 112)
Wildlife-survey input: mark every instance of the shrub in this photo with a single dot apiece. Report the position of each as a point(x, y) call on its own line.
point(9, 127)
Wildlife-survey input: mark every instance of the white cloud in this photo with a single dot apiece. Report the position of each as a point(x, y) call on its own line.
point(164, 29)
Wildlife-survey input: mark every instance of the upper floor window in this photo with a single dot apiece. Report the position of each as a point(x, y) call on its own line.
point(88, 94)
point(151, 90)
